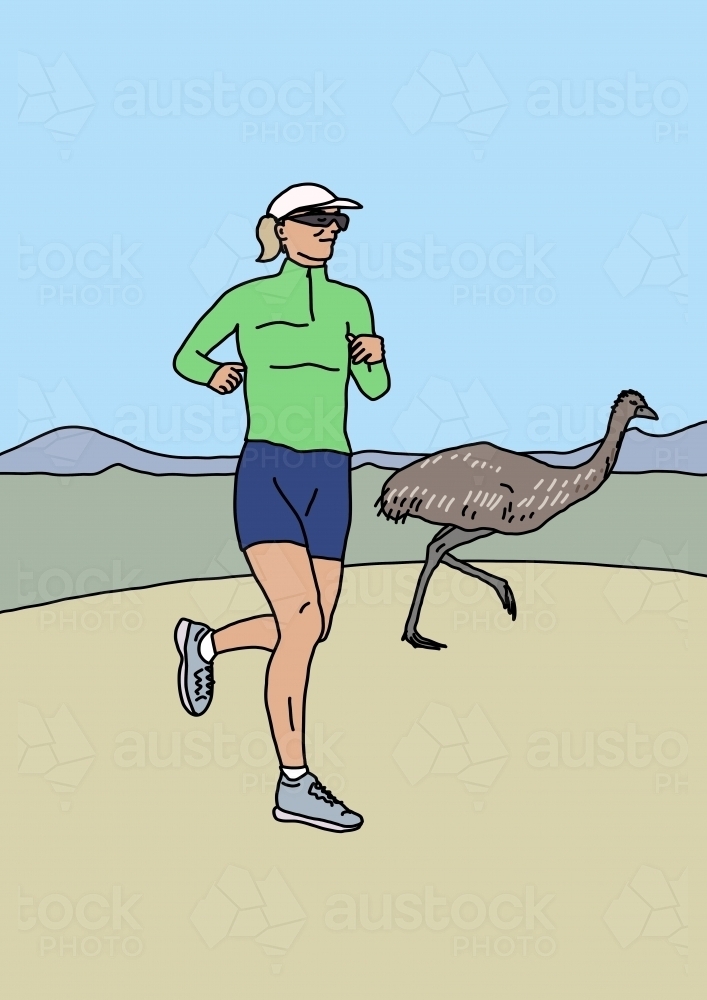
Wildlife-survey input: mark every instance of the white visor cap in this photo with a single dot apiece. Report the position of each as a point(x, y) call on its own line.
point(307, 196)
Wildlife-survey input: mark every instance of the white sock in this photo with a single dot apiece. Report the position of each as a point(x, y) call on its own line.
point(294, 773)
point(206, 647)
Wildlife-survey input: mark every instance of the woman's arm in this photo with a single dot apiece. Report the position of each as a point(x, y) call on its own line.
point(372, 379)
point(192, 359)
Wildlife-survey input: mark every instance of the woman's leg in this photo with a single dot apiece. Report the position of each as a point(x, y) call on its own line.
point(284, 571)
point(328, 574)
point(260, 631)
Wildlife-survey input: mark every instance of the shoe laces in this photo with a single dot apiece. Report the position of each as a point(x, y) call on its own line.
point(207, 673)
point(322, 792)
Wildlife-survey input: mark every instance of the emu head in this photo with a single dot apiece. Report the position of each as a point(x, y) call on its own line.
point(630, 404)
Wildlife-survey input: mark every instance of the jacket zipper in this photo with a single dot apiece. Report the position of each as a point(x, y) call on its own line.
point(311, 294)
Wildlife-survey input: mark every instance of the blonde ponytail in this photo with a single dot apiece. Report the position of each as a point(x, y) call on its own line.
point(270, 245)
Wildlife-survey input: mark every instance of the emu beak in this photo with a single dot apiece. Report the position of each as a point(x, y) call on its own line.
point(647, 413)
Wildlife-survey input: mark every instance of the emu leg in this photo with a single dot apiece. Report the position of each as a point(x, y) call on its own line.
point(446, 539)
point(501, 586)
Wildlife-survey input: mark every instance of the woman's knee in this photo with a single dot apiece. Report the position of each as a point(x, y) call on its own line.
point(307, 621)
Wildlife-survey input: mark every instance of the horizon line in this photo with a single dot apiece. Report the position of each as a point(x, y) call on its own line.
point(361, 451)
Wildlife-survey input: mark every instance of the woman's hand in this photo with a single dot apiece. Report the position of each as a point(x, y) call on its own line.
point(227, 378)
point(366, 347)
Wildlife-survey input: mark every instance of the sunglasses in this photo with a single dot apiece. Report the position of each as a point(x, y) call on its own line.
point(322, 219)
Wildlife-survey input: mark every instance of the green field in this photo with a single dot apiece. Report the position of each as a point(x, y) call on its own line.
point(64, 536)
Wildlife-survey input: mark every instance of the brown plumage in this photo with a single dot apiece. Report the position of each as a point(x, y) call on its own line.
point(478, 489)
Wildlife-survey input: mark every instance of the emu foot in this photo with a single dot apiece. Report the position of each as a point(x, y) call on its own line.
point(418, 641)
point(505, 595)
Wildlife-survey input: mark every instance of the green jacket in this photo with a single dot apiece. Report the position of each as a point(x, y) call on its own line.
point(290, 333)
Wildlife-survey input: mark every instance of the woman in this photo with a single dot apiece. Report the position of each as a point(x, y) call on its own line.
point(300, 336)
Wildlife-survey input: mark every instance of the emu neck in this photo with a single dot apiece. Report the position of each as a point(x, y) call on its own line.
point(604, 458)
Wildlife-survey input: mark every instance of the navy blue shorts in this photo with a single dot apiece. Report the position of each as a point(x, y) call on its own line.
point(283, 495)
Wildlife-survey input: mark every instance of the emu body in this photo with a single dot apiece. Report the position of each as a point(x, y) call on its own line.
point(479, 489)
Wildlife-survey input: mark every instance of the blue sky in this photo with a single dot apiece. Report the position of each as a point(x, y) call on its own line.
point(525, 175)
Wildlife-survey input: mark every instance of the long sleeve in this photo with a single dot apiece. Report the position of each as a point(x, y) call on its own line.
point(192, 359)
point(372, 380)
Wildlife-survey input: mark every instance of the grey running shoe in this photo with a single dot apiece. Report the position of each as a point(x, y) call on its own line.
point(196, 675)
point(308, 801)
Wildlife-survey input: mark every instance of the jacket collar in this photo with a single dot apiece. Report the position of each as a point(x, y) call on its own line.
point(295, 270)
point(293, 294)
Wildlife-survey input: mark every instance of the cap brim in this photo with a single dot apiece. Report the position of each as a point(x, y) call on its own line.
point(336, 203)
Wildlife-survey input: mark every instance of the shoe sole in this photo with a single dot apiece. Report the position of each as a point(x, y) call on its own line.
point(180, 639)
point(285, 817)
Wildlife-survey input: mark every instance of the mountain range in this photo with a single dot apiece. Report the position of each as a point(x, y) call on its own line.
point(84, 451)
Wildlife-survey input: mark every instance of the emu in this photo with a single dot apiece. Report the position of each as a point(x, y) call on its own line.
point(479, 489)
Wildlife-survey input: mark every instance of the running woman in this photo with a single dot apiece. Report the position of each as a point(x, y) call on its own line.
point(300, 336)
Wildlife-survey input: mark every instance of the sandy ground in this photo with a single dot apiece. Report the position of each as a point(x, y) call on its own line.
point(527, 823)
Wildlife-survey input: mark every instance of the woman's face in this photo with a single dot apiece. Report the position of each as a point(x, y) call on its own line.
point(311, 246)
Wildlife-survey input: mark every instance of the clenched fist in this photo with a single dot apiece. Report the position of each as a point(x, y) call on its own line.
point(227, 378)
point(366, 347)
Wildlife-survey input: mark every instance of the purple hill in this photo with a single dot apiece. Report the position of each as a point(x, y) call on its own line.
point(83, 451)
